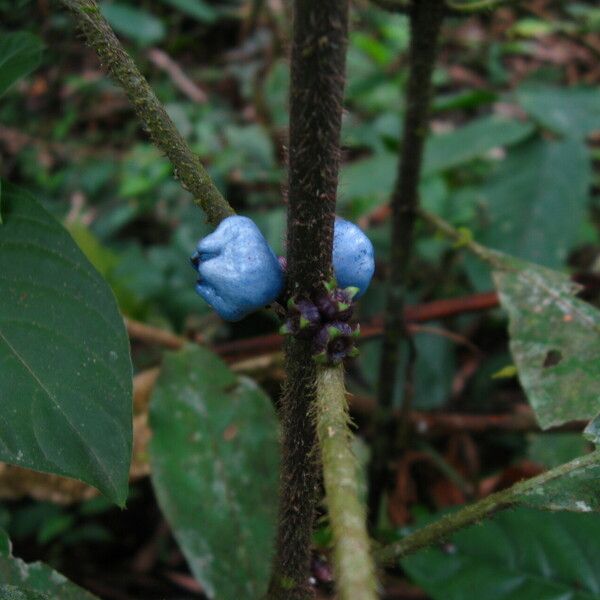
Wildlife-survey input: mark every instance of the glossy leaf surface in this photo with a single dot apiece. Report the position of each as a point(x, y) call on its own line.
point(65, 371)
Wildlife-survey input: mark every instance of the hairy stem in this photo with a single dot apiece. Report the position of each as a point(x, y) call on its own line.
point(354, 568)
point(426, 17)
point(187, 166)
point(441, 529)
point(320, 31)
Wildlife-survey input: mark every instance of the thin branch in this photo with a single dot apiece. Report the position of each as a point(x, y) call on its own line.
point(354, 567)
point(435, 424)
point(180, 80)
point(186, 165)
point(440, 530)
point(403, 430)
point(153, 335)
point(320, 32)
point(461, 237)
point(426, 17)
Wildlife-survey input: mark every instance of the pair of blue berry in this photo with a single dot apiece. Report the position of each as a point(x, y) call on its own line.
point(239, 273)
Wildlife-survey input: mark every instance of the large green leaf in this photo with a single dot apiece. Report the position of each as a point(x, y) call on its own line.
point(65, 370)
point(534, 204)
point(450, 150)
point(375, 176)
point(135, 23)
point(33, 580)
point(522, 554)
point(554, 340)
point(20, 53)
point(567, 111)
point(579, 491)
point(214, 458)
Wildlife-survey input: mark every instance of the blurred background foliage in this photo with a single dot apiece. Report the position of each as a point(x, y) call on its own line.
point(513, 157)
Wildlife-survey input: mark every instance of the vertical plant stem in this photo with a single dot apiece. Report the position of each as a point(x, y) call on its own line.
point(186, 165)
point(320, 32)
point(426, 17)
point(354, 567)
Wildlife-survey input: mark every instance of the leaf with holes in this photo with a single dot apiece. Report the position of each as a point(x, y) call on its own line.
point(65, 371)
point(214, 458)
point(522, 554)
point(33, 580)
point(554, 339)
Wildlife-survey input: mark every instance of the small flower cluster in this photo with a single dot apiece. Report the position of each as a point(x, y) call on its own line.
point(325, 319)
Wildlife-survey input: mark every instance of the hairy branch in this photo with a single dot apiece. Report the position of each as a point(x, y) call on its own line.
point(426, 17)
point(441, 529)
point(187, 166)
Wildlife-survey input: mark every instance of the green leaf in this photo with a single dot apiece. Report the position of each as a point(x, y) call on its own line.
point(572, 112)
point(371, 178)
point(552, 449)
point(535, 203)
point(11, 592)
point(450, 150)
point(554, 340)
point(33, 580)
point(463, 99)
point(375, 176)
point(531, 28)
point(20, 53)
point(214, 458)
point(107, 263)
point(65, 371)
point(197, 9)
point(522, 554)
point(592, 431)
point(579, 491)
point(135, 23)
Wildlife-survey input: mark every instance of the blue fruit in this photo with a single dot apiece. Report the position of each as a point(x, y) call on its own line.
point(353, 256)
point(238, 272)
